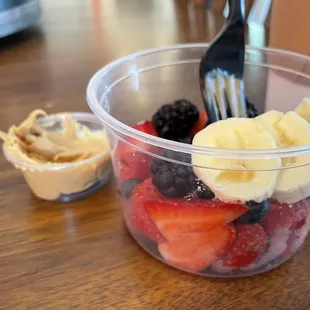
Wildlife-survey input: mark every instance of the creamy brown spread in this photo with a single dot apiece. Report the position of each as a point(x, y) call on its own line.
point(31, 148)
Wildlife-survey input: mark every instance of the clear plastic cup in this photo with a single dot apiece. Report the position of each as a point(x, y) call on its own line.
point(66, 182)
point(131, 89)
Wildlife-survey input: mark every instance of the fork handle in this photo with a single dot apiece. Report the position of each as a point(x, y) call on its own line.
point(236, 10)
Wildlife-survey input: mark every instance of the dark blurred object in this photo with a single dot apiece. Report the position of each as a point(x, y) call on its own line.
point(16, 15)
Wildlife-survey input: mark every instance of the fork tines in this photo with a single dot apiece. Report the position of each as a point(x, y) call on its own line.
point(225, 96)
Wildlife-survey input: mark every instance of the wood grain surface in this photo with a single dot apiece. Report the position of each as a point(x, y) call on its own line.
point(80, 255)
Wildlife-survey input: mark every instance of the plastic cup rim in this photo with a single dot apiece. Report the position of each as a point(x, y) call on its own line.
point(126, 130)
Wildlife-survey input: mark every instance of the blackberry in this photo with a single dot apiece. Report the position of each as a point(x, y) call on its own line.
point(202, 191)
point(127, 187)
point(257, 211)
point(187, 140)
point(251, 109)
point(171, 179)
point(175, 120)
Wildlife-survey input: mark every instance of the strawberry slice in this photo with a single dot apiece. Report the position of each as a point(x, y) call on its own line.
point(195, 251)
point(283, 224)
point(146, 191)
point(141, 222)
point(177, 215)
point(251, 242)
point(124, 172)
point(200, 124)
point(298, 236)
point(134, 165)
point(280, 225)
point(301, 212)
point(133, 145)
point(135, 214)
point(147, 127)
point(276, 245)
point(283, 216)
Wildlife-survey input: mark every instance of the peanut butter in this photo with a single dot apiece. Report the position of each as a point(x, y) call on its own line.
point(55, 162)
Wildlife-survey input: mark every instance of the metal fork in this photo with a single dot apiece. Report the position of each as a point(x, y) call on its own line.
point(221, 69)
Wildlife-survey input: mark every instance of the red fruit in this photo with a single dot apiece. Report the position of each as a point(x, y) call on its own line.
point(137, 218)
point(133, 145)
point(290, 246)
point(285, 216)
point(276, 246)
point(146, 191)
point(250, 244)
point(195, 251)
point(125, 172)
point(301, 211)
point(200, 124)
point(135, 165)
point(279, 225)
point(175, 216)
point(302, 228)
point(147, 127)
point(144, 225)
point(283, 224)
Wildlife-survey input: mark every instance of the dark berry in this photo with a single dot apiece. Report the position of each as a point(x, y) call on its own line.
point(257, 211)
point(172, 179)
point(251, 109)
point(127, 187)
point(187, 140)
point(175, 120)
point(202, 191)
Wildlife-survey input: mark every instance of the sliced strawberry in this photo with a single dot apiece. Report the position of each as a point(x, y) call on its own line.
point(176, 215)
point(303, 225)
point(280, 216)
point(139, 164)
point(137, 218)
point(124, 172)
point(144, 225)
point(250, 244)
point(301, 211)
point(147, 127)
point(146, 191)
point(284, 215)
point(195, 251)
point(133, 145)
point(138, 221)
point(200, 124)
point(290, 246)
point(279, 224)
point(302, 228)
point(276, 245)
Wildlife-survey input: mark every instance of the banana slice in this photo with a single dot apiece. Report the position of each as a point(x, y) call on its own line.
point(268, 121)
point(303, 110)
point(293, 183)
point(237, 179)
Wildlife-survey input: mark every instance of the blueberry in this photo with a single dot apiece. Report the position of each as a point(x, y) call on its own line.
point(127, 187)
point(257, 211)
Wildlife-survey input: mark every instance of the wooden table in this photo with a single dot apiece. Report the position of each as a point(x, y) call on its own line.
point(79, 255)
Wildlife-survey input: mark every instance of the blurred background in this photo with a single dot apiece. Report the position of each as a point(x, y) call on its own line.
point(181, 19)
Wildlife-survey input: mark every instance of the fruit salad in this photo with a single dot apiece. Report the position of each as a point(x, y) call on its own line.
point(217, 216)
